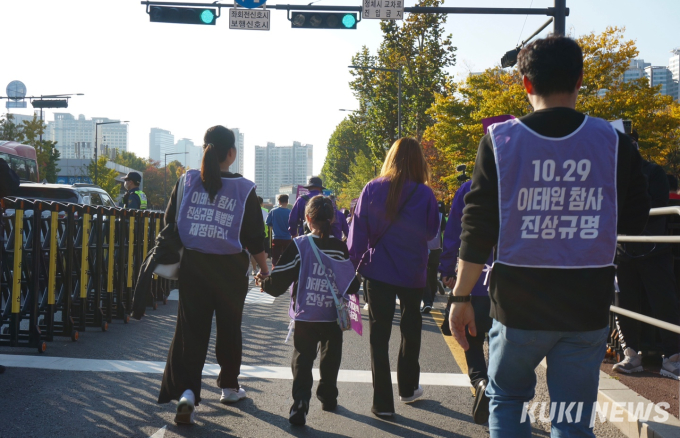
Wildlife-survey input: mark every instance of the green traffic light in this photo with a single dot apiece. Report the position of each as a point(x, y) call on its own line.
point(349, 21)
point(207, 16)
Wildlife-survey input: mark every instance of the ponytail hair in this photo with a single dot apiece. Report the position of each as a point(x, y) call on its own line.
point(322, 213)
point(217, 142)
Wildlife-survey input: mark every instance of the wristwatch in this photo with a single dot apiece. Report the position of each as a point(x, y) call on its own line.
point(455, 299)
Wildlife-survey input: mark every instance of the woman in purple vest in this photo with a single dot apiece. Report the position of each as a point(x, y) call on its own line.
point(313, 306)
point(395, 217)
point(219, 218)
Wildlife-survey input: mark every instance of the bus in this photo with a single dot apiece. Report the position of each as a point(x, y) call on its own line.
point(21, 158)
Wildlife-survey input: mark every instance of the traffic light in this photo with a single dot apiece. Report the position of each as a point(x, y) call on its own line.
point(323, 20)
point(510, 58)
point(167, 14)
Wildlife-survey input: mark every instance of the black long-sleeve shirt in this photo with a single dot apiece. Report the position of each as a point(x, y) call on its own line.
point(546, 298)
point(287, 270)
point(252, 227)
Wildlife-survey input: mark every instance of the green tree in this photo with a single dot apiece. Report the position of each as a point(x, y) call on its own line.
point(363, 170)
point(46, 150)
point(155, 180)
point(106, 178)
point(346, 141)
point(10, 131)
point(420, 49)
point(129, 159)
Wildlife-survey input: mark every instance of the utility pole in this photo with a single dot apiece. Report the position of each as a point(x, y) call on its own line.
point(560, 26)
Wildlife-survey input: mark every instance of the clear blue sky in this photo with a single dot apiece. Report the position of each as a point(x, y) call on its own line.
point(280, 86)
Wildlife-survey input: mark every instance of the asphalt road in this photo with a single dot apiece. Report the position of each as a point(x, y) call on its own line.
point(66, 403)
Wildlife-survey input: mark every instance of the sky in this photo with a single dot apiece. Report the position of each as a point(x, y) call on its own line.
point(280, 86)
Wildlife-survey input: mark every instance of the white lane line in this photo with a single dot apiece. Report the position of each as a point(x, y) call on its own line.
point(259, 372)
point(255, 296)
point(160, 433)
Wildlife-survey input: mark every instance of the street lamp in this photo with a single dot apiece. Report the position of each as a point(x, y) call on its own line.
point(165, 174)
point(96, 161)
point(394, 70)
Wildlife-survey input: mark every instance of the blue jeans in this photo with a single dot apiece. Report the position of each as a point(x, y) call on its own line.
point(573, 374)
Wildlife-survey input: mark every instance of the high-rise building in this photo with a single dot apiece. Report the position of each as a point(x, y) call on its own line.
point(659, 75)
point(190, 155)
point(75, 137)
point(161, 142)
point(237, 165)
point(636, 70)
point(276, 166)
point(674, 67)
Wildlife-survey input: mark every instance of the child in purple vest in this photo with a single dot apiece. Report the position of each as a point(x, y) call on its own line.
point(313, 306)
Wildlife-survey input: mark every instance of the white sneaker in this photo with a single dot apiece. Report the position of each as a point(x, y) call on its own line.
point(631, 363)
point(230, 395)
point(186, 408)
point(416, 395)
point(671, 367)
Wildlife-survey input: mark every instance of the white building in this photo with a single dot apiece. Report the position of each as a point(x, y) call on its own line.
point(276, 166)
point(75, 137)
point(659, 75)
point(190, 155)
point(161, 142)
point(674, 67)
point(636, 70)
point(237, 166)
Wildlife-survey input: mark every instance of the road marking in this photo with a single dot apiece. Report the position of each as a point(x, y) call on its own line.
point(258, 372)
point(160, 433)
point(255, 296)
point(456, 350)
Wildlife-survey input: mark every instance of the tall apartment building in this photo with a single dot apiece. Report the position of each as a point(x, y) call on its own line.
point(237, 165)
point(674, 67)
point(636, 70)
point(190, 156)
point(75, 137)
point(659, 75)
point(276, 166)
point(161, 142)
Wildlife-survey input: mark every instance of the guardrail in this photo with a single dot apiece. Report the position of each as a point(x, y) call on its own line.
point(66, 267)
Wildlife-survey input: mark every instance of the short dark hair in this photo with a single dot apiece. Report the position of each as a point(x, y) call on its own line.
point(260, 200)
point(283, 199)
point(552, 65)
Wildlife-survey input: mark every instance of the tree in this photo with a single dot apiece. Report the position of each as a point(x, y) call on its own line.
point(10, 131)
point(363, 170)
point(156, 179)
point(106, 178)
point(46, 150)
point(345, 142)
point(458, 129)
point(129, 159)
point(423, 53)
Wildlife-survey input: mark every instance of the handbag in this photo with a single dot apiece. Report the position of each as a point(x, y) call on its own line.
point(344, 320)
point(171, 271)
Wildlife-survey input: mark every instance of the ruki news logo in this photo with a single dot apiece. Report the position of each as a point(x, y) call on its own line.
point(613, 412)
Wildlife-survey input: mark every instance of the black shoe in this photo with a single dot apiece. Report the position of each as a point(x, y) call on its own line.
point(298, 413)
point(480, 409)
point(426, 308)
point(330, 406)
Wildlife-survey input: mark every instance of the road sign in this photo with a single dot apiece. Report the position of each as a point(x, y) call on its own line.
point(249, 19)
point(383, 9)
point(251, 4)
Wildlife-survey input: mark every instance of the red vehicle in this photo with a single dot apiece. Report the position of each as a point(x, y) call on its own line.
point(21, 158)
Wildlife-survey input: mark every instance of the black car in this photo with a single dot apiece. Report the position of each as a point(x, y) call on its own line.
point(88, 194)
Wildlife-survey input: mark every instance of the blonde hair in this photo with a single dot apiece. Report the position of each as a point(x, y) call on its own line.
point(405, 161)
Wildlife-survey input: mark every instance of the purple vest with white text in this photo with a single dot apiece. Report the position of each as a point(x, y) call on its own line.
point(314, 299)
point(557, 196)
point(213, 227)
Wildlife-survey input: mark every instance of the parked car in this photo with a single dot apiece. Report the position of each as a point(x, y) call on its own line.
point(89, 194)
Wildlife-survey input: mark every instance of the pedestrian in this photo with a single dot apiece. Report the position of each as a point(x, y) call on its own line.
point(395, 216)
point(551, 283)
point(296, 222)
point(435, 250)
point(134, 197)
point(219, 217)
point(481, 303)
point(315, 314)
point(277, 221)
point(340, 228)
point(645, 272)
point(9, 184)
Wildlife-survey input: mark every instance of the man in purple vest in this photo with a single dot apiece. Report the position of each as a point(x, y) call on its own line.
point(550, 190)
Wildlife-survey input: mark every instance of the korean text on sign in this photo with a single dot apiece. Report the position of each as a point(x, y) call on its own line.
point(383, 9)
point(249, 19)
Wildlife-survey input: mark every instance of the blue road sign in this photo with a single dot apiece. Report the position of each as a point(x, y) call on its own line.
point(251, 4)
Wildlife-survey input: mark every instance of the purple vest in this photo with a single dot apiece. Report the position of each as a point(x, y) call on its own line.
point(213, 228)
point(557, 196)
point(314, 300)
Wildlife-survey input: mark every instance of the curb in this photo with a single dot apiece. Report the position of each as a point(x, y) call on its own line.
point(615, 393)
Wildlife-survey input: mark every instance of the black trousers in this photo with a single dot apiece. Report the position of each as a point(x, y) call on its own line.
point(652, 277)
point(432, 282)
point(208, 284)
point(381, 303)
point(308, 336)
point(476, 363)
